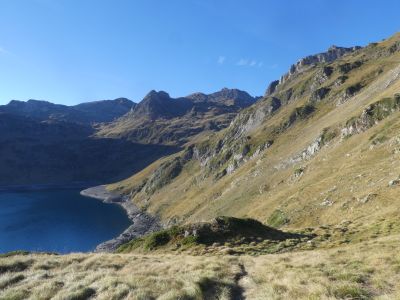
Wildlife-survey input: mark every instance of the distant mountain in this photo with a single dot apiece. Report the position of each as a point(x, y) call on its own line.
point(157, 105)
point(58, 152)
point(42, 142)
point(160, 119)
point(105, 110)
point(85, 113)
point(227, 97)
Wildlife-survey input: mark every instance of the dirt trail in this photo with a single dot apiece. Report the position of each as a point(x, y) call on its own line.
point(238, 292)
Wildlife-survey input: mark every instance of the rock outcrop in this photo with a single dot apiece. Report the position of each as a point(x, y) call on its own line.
point(331, 55)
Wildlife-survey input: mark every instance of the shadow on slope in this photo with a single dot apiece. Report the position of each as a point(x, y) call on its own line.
point(223, 235)
point(33, 152)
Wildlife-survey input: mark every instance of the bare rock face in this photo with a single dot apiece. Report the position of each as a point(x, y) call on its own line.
point(271, 88)
point(349, 92)
point(322, 75)
point(340, 80)
point(319, 94)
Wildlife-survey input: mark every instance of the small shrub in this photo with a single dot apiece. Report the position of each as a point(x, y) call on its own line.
point(298, 172)
point(350, 291)
point(327, 135)
point(277, 219)
point(82, 294)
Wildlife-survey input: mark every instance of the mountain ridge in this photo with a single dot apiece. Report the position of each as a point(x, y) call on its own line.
point(160, 119)
point(85, 113)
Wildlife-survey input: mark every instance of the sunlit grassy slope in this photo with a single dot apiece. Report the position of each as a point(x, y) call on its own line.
point(345, 179)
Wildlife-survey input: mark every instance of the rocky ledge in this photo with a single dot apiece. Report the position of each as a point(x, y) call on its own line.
point(142, 223)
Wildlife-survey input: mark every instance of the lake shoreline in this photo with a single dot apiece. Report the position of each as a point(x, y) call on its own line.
point(142, 223)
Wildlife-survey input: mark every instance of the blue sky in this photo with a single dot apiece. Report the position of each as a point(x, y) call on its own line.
point(71, 51)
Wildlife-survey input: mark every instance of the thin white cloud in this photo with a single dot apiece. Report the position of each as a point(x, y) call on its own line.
point(3, 51)
point(221, 60)
point(244, 62)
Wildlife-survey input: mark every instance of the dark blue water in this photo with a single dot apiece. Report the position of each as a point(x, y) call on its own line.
point(57, 220)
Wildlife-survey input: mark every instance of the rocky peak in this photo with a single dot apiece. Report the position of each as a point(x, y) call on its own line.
point(231, 97)
point(156, 96)
point(160, 105)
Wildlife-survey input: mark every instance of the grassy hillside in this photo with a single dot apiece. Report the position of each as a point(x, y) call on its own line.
point(319, 151)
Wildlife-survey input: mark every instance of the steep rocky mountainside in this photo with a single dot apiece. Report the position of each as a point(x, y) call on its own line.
point(160, 119)
point(85, 113)
point(320, 148)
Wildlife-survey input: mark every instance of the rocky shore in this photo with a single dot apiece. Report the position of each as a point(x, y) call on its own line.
point(142, 223)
